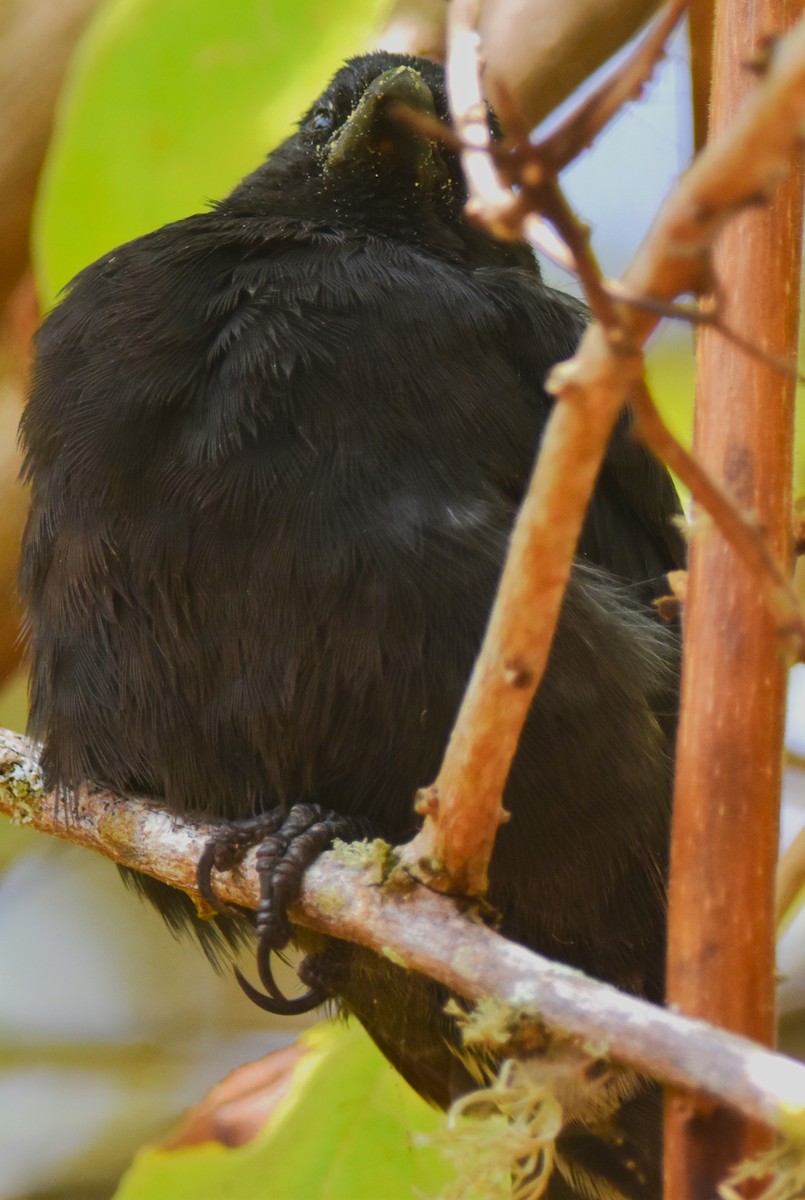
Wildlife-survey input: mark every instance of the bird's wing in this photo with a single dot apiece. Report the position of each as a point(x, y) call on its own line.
point(632, 526)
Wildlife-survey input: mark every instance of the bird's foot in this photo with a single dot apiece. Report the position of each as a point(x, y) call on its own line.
point(288, 843)
point(228, 848)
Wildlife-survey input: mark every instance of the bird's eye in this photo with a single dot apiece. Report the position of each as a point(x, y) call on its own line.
point(322, 117)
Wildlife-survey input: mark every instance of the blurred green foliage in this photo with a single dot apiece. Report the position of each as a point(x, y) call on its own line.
point(670, 371)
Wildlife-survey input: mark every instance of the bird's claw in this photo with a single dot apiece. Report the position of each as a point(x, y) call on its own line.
point(287, 845)
point(226, 850)
point(277, 1003)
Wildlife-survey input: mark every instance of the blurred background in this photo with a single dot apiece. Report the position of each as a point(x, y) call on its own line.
point(115, 117)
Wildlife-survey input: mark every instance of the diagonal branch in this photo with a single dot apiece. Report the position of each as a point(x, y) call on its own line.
point(463, 807)
point(743, 533)
point(581, 127)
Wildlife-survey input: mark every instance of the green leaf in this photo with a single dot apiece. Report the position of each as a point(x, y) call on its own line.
point(345, 1131)
point(169, 103)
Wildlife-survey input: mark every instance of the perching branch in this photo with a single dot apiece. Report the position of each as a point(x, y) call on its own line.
point(464, 806)
point(343, 896)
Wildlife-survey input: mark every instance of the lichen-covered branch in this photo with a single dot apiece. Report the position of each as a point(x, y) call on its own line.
point(425, 932)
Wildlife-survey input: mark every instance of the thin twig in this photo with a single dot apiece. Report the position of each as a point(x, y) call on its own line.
point(712, 318)
point(576, 236)
point(343, 896)
point(569, 245)
point(739, 168)
point(544, 50)
point(672, 606)
point(527, 224)
point(799, 529)
point(743, 533)
point(497, 203)
point(582, 126)
point(790, 879)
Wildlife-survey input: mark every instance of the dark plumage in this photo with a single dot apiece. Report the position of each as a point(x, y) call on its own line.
point(275, 452)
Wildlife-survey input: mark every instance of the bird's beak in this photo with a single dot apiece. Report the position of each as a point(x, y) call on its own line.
point(371, 130)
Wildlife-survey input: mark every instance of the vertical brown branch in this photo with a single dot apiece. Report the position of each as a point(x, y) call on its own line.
point(729, 759)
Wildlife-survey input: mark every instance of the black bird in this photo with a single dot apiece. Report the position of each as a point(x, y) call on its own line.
point(275, 452)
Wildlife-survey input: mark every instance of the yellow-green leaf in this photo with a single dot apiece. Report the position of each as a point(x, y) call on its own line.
point(347, 1130)
point(169, 103)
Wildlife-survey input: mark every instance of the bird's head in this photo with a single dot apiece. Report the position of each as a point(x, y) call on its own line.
point(354, 161)
point(360, 139)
